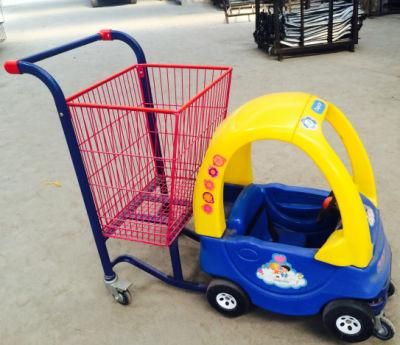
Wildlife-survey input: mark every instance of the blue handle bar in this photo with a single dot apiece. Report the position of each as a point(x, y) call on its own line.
point(17, 66)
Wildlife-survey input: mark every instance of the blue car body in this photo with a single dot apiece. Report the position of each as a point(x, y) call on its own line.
point(269, 246)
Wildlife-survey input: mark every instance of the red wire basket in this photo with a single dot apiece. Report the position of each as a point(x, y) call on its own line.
point(141, 157)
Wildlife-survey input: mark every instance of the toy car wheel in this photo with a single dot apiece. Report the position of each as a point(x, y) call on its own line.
point(386, 331)
point(349, 320)
point(227, 298)
point(392, 289)
point(123, 297)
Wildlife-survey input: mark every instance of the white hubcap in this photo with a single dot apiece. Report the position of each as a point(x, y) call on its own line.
point(226, 301)
point(348, 324)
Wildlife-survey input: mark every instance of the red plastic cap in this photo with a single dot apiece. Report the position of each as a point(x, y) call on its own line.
point(327, 202)
point(11, 66)
point(105, 35)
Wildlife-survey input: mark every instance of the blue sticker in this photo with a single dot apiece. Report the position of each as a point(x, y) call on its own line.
point(309, 123)
point(318, 106)
point(279, 272)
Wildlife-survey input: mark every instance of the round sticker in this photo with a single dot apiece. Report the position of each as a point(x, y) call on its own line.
point(213, 172)
point(309, 123)
point(207, 208)
point(208, 197)
point(209, 184)
point(370, 215)
point(219, 161)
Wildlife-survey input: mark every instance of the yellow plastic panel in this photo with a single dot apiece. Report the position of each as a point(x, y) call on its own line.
point(239, 169)
point(351, 245)
point(273, 116)
point(296, 118)
point(363, 175)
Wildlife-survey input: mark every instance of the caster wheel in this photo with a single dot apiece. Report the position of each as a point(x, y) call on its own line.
point(349, 320)
point(95, 3)
point(392, 289)
point(123, 297)
point(386, 331)
point(227, 298)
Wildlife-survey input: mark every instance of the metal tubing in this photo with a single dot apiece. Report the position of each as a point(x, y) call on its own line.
point(354, 24)
point(277, 45)
point(192, 235)
point(153, 130)
point(176, 260)
point(192, 286)
point(65, 119)
point(301, 23)
point(114, 35)
point(330, 22)
point(26, 65)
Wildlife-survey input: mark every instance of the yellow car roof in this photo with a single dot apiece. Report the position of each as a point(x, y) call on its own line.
point(294, 118)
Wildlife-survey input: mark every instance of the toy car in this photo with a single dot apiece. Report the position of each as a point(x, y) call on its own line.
point(294, 250)
point(290, 250)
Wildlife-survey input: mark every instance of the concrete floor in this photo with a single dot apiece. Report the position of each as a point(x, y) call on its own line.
point(51, 287)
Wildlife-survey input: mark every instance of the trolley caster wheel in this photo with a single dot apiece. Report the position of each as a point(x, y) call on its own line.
point(392, 289)
point(227, 298)
point(386, 330)
point(349, 320)
point(123, 297)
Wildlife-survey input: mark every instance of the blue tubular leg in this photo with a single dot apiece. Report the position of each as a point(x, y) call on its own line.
point(176, 260)
point(192, 235)
point(180, 283)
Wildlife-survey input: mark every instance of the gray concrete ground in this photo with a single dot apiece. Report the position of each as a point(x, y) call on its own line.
point(51, 289)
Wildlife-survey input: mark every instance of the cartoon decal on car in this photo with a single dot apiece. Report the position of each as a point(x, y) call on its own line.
point(280, 272)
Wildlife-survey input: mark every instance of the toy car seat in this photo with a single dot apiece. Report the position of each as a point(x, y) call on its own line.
point(249, 214)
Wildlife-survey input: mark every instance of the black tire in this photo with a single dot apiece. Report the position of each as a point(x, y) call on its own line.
point(227, 298)
point(387, 330)
point(124, 297)
point(349, 320)
point(392, 289)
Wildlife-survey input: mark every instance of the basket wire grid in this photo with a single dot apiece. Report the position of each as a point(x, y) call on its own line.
point(141, 158)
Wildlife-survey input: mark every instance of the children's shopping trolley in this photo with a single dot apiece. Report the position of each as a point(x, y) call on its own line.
point(137, 140)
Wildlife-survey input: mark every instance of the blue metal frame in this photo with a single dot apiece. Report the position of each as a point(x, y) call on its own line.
point(27, 66)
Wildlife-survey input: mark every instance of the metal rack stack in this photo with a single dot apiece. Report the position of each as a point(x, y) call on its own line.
point(237, 8)
point(308, 26)
point(2, 31)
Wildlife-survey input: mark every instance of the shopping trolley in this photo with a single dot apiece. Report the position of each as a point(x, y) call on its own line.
point(137, 140)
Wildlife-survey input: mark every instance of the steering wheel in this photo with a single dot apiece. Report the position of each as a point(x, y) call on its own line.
point(329, 208)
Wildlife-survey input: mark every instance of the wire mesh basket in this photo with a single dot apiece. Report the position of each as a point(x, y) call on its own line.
point(141, 157)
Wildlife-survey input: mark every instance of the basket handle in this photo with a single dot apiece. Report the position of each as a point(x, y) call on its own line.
point(19, 66)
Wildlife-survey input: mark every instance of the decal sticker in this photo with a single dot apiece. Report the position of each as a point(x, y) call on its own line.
point(209, 184)
point(213, 172)
point(207, 208)
point(318, 106)
point(219, 161)
point(281, 273)
point(208, 197)
point(370, 215)
point(309, 123)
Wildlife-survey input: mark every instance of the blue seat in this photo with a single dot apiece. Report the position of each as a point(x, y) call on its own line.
point(249, 215)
